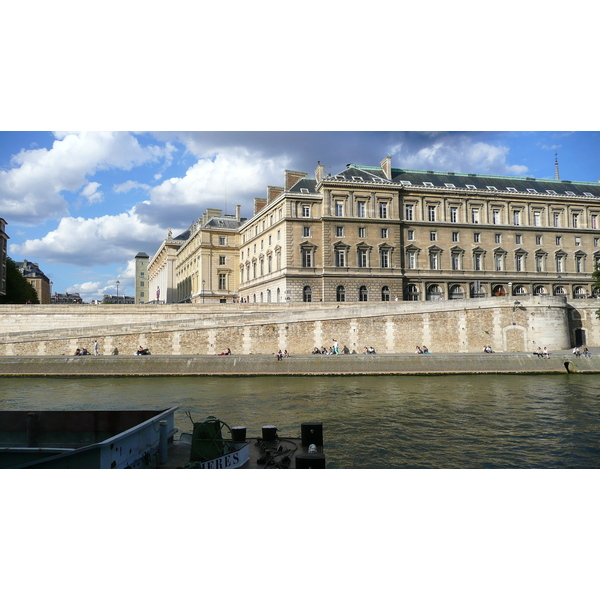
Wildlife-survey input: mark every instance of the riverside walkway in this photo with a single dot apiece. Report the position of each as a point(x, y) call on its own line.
point(297, 365)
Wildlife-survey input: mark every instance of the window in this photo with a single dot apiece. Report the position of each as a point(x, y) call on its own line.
point(455, 260)
point(363, 295)
point(577, 240)
point(340, 257)
point(385, 294)
point(539, 263)
point(306, 232)
point(537, 218)
point(477, 261)
point(496, 216)
point(575, 220)
point(384, 233)
point(518, 238)
point(307, 294)
point(499, 262)
point(410, 235)
point(412, 293)
point(384, 257)
point(262, 267)
point(339, 231)
point(141, 284)
point(558, 240)
point(339, 208)
point(269, 264)
point(222, 281)
point(538, 240)
point(411, 256)
point(306, 210)
point(518, 262)
point(432, 236)
point(498, 238)
point(596, 242)
point(221, 260)
point(431, 213)
point(278, 235)
point(222, 241)
point(579, 264)
point(362, 232)
point(559, 264)
point(476, 238)
point(516, 217)
point(594, 221)
point(361, 210)
point(453, 214)
point(408, 211)
point(340, 293)
point(434, 260)
point(307, 258)
point(556, 219)
point(455, 236)
point(362, 258)
point(474, 215)
point(383, 210)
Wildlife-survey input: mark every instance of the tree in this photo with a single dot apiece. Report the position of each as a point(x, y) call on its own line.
point(18, 289)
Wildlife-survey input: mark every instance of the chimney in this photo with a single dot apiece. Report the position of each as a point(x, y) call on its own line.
point(259, 204)
point(273, 192)
point(238, 213)
point(386, 166)
point(320, 172)
point(293, 177)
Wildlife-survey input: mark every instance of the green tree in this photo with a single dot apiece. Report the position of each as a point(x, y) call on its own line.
point(18, 289)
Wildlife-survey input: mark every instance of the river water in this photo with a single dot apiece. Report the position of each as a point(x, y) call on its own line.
point(458, 421)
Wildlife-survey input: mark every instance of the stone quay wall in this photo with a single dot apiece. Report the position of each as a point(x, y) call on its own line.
point(457, 326)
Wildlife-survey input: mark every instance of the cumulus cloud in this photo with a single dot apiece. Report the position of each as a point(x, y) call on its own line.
point(127, 186)
point(90, 191)
point(98, 241)
point(31, 190)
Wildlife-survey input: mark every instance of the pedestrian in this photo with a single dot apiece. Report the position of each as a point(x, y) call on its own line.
point(335, 347)
point(96, 348)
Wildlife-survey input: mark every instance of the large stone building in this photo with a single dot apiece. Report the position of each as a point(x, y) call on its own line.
point(3, 255)
point(378, 234)
point(37, 278)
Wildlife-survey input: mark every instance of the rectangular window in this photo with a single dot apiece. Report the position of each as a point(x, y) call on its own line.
point(339, 209)
point(383, 210)
point(410, 235)
point(516, 217)
point(384, 233)
point(453, 214)
point(577, 240)
point(432, 236)
point(362, 232)
point(306, 258)
point(594, 223)
point(340, 258)
point(559, 264)
point(306, 210)
point(498, 238)
point(141, 284)
point(539, 264)
point(474, 215)
point(496, 216)
point(222, 281)
point(222, 241)
point(409, 212)
point(556, 219)
point(362, 258)
point(361, 209)
point(477, 262)
point(455, 236)
point(558, 240)
point(538, 240)
point(431, 213)
point(455, 258)
point(575, 220)
point(306, 232)
point(433, 260)
point(385, 259)
point(518, 239)
point(537, 218)
point(221, 260)
point(579, 264)
point(412, 260)
point(339, 231)
point(518, 262)
point(499, 262)
point(596, 242)
point(476, 238)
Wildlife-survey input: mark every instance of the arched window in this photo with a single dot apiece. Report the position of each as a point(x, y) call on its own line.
point(434, 292)
point(385, 294)
point(477, 291)
point(456, 293)
point(412, 292)
point(559, 290)
point(539, 290)
point(268, 295)
point(278, 295)
point(519, 290)
point(307, 294)
point(340, 293)
point(579, 292)
point(498, 290)
point(363, 295)
point(261, 298)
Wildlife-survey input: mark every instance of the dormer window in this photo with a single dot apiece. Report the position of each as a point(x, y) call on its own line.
point(531, 191)
point(428, 184)
point(449, 185)
point(471, 187)
point(550, 191)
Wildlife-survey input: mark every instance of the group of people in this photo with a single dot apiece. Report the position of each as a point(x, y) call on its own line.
point(334, 349)
point(369, 350)
point(82, 352)
point(281, 355)
point(488, 350)
point(423, 350)
point(226, 353)
point(541, 353)
point(578, 352)
point(142, 351)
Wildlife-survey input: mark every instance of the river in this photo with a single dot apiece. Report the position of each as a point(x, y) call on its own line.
point(400, 422)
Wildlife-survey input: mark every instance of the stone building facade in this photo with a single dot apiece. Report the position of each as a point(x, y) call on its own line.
point(37, 278)
point(3, 255)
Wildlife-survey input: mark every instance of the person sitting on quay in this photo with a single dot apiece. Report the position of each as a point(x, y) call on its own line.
point(316, 350)
point(226, 353)
point(538, 352)
point(142, 351)
point(425, 350)
point(77, 352)
point(372, 350)
point(279, 355)
point(418, 350)
point(488, 350)
point(577, 352)
point(587, 353)
point(545, 353)
point(285, 354)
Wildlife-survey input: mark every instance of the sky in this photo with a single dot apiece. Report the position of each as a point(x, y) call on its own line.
point(83, 204)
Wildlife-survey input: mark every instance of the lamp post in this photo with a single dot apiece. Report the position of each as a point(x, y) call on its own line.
point(117, 282)
point(203, 282)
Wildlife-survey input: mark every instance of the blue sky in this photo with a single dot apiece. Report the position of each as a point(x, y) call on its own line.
point(82, 204)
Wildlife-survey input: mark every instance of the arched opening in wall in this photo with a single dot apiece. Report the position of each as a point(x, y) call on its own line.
point(254, 298)
point(519, 290)
point(456, 293)
point(307, 294)
point(261, 298)
point(278, 295)
point(476, 290)
point(268, 295)
point(540, 290)
point(498, 290)
point(434, 292)
point(579, 292)
point(363, 295)
point(412, 292)
point(580, 337)
point(340, 293)
point(559, 290)
point(385, 294)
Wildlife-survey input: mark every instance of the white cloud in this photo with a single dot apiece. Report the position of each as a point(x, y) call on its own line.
point(90, 191)
point(31, 191)
point(123, 188)
point(97, 241)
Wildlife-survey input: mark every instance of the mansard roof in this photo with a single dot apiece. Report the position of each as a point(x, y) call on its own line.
point(223, 222)
point(310, 185)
